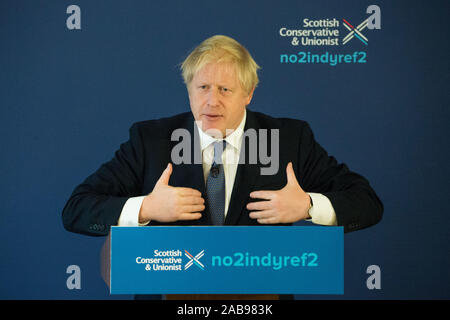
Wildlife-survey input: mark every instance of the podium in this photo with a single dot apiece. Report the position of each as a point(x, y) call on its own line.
point(221, 260)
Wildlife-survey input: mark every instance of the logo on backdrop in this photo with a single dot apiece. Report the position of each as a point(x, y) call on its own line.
point(355, 32)
point(331, 34)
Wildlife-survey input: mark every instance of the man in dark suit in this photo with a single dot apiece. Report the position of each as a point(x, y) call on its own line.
point(147, 184)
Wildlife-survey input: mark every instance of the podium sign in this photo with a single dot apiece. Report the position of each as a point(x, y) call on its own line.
point(226, 260)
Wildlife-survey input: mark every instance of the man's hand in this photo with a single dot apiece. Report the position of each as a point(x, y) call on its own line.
point(287, 205)
point(170, 204)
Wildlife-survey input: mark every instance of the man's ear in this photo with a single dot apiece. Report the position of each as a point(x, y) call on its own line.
point(249, 97)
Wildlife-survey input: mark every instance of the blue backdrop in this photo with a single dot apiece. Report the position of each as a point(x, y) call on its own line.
point(68, 98)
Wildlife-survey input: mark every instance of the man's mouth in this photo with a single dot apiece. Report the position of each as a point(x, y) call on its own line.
point(212, 116)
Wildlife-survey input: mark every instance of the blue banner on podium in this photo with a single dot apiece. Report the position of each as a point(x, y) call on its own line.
point(227, 260)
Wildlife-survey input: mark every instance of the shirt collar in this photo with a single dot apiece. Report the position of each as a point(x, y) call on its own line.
point(234, 139)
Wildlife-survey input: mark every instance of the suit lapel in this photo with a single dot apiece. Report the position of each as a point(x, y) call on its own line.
point(245, 177)
point(190, 175)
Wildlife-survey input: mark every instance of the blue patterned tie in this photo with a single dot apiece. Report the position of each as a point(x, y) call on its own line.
point(215, 185)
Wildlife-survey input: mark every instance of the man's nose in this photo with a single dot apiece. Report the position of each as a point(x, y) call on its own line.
point(213, 97)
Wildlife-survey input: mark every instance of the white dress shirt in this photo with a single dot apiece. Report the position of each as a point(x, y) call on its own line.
point(322, 211)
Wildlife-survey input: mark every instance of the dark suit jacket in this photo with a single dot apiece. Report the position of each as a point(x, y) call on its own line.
point(96, 204)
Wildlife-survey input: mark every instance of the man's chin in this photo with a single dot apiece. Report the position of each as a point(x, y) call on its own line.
point(214, 131)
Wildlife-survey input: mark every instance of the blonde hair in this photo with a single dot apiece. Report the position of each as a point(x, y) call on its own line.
point(217, 49)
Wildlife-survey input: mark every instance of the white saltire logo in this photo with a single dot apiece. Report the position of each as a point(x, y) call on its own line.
point(194, 260)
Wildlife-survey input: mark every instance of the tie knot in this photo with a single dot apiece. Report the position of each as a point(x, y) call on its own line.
point(219, 146)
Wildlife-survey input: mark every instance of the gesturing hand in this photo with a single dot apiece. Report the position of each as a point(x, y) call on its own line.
point(287, 205)
point(169, 204)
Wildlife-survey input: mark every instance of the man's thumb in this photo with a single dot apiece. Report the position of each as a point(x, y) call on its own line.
point(291, 178)
point(165, 176)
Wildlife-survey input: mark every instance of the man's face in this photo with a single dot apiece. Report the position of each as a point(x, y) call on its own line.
point(217, 98)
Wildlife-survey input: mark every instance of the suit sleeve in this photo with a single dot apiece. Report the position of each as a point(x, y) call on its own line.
point(95, 205)
point(355, 202)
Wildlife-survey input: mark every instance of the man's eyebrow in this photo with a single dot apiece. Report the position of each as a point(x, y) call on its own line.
point(227, 85)
point(201, 82)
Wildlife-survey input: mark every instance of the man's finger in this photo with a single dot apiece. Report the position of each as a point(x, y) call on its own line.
point(165, 176)
point(263, 194)
point(193, 208)
point(259, 205)
point(191, 200)
point(272, 220)
point(188, 192)
point(190, 216)
point(262, 214)
point(291, 178)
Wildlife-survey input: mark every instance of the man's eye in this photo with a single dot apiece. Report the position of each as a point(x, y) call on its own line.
point(203, 87)
point(225, 89)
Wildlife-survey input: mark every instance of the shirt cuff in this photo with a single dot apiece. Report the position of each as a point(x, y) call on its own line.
point(322, 211)
point(129, 217)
